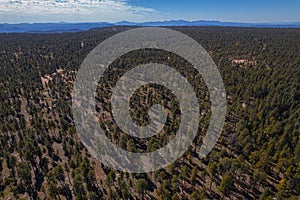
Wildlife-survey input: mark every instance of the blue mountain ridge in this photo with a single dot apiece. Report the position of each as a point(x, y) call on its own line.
point(74, 27)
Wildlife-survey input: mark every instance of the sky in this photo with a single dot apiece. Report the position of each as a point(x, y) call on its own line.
point(32, 11)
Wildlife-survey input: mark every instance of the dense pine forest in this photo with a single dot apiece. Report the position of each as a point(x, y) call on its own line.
point(256, 157)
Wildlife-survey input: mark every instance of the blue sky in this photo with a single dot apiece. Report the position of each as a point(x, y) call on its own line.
point(228, 10)
point(19, 11)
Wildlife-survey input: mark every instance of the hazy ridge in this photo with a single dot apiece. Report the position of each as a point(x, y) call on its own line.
point(75, 27)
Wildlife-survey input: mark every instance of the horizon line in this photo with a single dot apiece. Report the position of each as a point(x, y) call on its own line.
point(154, 21)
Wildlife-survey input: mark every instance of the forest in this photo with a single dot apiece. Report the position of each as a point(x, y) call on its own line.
point(256, 157)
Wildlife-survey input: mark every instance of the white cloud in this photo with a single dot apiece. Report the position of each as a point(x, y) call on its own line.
point(72, 10)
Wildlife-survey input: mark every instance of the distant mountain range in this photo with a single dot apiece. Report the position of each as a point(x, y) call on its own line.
point(74, 27)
